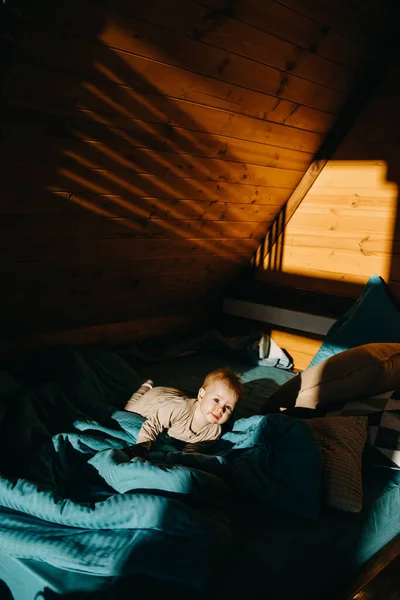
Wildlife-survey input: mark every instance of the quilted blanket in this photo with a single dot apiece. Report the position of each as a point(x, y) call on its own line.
point(70, 495)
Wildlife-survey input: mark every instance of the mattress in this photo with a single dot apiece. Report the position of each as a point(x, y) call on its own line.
point(274, 553)
point(293, 558)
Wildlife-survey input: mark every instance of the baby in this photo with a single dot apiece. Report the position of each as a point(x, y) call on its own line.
point(191, 420)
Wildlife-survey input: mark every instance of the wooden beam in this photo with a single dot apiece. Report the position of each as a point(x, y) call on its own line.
point(368, 582)
point(282, 317)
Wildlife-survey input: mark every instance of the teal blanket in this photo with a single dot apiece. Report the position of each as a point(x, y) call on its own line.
point(70, 496)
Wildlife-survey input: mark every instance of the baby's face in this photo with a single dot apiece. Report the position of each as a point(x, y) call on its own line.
point(217, 402)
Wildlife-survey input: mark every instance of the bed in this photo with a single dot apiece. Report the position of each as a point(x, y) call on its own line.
point(76, 519)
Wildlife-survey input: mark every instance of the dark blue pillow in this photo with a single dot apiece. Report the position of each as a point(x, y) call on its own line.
point(281, 466)
point(373, 318)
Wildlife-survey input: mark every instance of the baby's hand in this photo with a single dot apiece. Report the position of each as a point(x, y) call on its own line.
point(137, 451)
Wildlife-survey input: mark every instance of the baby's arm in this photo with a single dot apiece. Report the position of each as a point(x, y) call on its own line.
point(151, 429)
point(155, 424)
point(198, 447)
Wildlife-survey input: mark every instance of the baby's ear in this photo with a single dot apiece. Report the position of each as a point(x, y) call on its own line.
point(201, 393)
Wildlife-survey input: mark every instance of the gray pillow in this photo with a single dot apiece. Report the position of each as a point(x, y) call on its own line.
point(341, 441)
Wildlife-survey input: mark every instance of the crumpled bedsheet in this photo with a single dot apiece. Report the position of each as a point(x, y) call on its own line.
point(70, 495)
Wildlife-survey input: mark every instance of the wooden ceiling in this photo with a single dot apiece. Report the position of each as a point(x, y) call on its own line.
point(148, 146)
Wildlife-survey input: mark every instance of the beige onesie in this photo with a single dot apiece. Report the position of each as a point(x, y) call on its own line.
point(168, 408)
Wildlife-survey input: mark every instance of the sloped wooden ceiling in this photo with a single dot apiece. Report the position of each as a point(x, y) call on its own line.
point(148, 146)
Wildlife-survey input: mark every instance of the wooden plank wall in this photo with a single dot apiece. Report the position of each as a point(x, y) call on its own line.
point(347, 227)
point(147, 146)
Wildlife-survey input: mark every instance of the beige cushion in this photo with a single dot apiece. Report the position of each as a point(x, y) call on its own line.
point(342, 440)
point(362, 371)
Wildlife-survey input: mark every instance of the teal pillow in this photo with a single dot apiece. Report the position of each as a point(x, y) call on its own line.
point(372, 319)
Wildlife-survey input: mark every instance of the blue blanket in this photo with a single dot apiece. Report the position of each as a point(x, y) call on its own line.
point(70, 495)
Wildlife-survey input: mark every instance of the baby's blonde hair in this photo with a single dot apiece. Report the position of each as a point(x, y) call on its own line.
point(228, 377)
